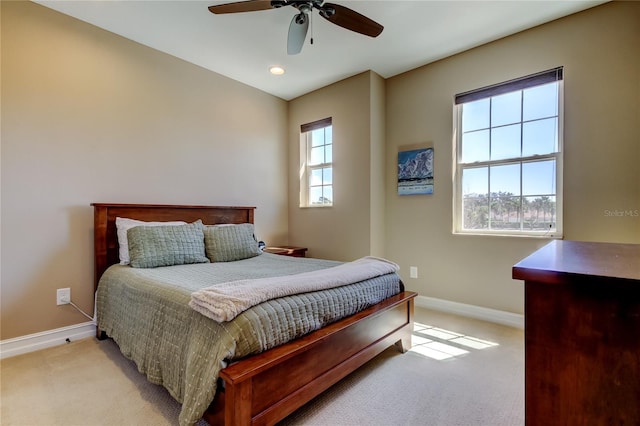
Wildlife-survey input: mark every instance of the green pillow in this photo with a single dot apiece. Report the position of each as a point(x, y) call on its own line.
point(152, 246)
point(226, 243)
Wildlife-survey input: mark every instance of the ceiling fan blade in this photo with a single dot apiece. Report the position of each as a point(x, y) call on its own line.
point(297, 33)
point(350, 19)
point(241, 6)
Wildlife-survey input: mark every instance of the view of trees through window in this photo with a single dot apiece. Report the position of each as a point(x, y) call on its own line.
point(505, 211)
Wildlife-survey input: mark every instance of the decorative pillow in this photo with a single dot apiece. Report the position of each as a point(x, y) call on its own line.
point(123, 225)
point(226, 243)
point(152, 246)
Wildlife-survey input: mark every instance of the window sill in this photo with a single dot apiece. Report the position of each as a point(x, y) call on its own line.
point(543, 236)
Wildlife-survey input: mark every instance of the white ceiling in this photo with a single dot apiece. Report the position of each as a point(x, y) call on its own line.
point(243, 46)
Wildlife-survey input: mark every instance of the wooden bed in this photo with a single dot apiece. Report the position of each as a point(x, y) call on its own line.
point(265, 388)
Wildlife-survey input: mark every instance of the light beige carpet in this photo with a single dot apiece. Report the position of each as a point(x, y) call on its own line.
point(460, 372)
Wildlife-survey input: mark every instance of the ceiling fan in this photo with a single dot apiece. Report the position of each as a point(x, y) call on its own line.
point(334, 13)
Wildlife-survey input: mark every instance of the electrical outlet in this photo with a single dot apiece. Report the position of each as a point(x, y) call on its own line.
point(63, 296)
point(413, 272)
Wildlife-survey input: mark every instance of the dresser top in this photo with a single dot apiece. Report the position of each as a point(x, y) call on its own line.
point(560, 261)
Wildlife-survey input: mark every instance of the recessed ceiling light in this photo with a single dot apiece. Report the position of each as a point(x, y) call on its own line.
point(275, 70)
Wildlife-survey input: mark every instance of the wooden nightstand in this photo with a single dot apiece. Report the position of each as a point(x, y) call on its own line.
point(287, 251)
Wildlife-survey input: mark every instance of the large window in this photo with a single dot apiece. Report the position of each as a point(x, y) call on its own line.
point(316, 164)
point(508, 157)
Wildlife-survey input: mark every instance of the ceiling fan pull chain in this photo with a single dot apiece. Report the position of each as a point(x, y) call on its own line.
point(311, 22)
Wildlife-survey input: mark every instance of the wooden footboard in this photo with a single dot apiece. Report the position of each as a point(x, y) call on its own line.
point(265, 388)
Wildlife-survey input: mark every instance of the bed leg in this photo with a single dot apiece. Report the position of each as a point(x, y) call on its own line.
point(101, 335)
point(238, 404)
point(404, 344)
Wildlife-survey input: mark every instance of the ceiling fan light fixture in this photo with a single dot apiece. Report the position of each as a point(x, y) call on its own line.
point(276, 70)
point(301, 18)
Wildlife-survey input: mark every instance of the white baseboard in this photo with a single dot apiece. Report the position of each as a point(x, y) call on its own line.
point(45, 339)
point(471, 311)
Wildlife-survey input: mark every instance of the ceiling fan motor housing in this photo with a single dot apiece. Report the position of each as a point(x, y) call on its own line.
point(278, 3)
point(305, 4)
point(327, 11)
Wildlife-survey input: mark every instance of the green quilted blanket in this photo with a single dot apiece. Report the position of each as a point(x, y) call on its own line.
point(146, 312)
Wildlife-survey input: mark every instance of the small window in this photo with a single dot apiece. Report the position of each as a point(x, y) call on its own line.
point(508, 158)
point(316, 164)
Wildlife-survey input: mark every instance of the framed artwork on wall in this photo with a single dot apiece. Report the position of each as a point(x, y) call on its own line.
point(415, 170)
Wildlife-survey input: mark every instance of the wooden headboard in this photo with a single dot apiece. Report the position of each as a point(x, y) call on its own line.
point(106, 238)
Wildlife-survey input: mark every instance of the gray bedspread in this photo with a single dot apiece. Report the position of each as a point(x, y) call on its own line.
point(146, 312)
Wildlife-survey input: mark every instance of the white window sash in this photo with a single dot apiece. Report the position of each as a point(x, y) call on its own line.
point(305, 168)
point(458, 167)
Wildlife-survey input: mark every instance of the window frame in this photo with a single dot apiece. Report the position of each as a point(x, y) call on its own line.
point(305, 167)
point(550, 76)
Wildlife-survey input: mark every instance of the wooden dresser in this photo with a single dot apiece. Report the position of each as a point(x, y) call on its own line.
point(582, 334)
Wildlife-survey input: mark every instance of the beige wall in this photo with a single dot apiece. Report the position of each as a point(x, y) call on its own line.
point(351, 228)
point(377, 212)
point(88, 116)
point(599, 49)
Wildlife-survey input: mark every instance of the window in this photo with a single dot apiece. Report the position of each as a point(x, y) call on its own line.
point(316, 164)
point(508, 157)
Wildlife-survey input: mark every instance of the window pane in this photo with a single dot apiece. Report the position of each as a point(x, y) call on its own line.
point(328, 195)
point(505, 213)
point(505, 142)
point(539, 213)
point(505, 180)
point(505, 109)
point(315, 179)
point(328, 153)
point(475, 115)
point(315, 195)
point(317, 155)
point(317, 137)
point(540, 137)
point(475, 146)
point(539, 178)
point(475, 181)
point(327, 176)
point(540, 102)
point(328, 134)
point(475, 212)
